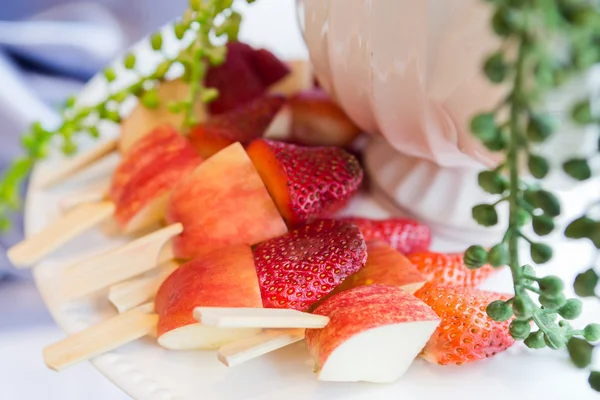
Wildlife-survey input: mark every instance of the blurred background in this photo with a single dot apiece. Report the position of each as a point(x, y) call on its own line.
point(48, 50)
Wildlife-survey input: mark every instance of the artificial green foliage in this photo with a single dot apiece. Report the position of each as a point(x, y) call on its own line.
point(530, 70)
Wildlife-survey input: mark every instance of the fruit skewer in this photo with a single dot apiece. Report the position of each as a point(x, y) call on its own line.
point(223, 202)
point(136, 199)
point(274, 77)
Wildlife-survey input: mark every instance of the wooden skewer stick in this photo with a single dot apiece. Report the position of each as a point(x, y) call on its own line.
point(76, 164)
point(258, 318)
point(101, 338)
point(265, 342)
point(136, 257)
point(75, 222)
point(131, 293)
point(97, 193)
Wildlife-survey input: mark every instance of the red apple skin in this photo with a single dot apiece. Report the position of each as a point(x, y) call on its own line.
point(385, 266)
point(357, 310)
point(222, 278)
point(223, 202)
point(149, 170)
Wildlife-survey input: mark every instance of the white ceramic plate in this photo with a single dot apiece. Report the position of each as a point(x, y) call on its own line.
point(146, 371)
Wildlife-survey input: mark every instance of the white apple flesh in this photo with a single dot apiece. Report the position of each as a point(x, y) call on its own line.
point(374, 335)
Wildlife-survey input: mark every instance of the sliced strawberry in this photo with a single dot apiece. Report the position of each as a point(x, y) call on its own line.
point(403, 234)
point(305, 181)
point(301, 267)
point(243, 124)
point(237, 79)
point(268, 67)
point(318, 121)
point(466, 333)
point(449, 269)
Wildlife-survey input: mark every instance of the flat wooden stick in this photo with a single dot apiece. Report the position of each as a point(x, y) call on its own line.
point(134, 258)
point(258, 318)
point(80, 219)
point(76, 164)
point(91, 195)
point(265, 342)
point(129, 294)
point(101, 338)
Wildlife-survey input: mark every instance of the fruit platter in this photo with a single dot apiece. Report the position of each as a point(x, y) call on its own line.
point(246, 256)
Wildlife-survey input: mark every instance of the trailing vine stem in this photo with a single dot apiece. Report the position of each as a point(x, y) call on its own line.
point(525, 27)
point(198, 21)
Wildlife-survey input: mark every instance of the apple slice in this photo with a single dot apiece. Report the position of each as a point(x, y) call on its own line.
point(385, 266)
point(223, 278)
point(374, 334)
point(223, 202)
point(318, 121)
point(143, 180)
point(243, 124)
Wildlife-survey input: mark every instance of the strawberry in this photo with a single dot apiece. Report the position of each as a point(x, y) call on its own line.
point(238, 79)
point(466, 333)
point(268, 67)
point(305, 181)
point(405, 235)
point(449, 269)
point(301, 267)
point(243, 124)
point(318, 121)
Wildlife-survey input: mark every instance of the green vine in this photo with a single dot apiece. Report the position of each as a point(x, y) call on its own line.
point(199, 26)
point(544, 42)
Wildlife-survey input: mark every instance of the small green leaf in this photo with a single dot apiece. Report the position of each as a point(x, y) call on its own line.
point(540, 127)
point(475, 257)
point(156, 41)
point(209, 94)
point(580, 352)
point(499, 311)
point(578, 169)
point(522, 307)
point(582, 113)
point(129, 61)
point(179, 30)
point(535, 340)
point(594, 380)
point(538, 166)
point(542, 225)
point(547, 202)
point(585, 283)
point(484, 127)
point(485, 215)
point(591, 332)
point(571, 310)
point(498, 255)
point(523, 217)
point(519, 330)
point(492, 182)
point(595, 234)
point(495, 68)
point(150, 99)
point(552, 303)
point(540, 253)
point(579, 228)
point(110, 74)
point(551, 285)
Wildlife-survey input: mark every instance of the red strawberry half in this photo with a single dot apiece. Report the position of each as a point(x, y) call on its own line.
point(466, 333)
point(238, 79)
point(318, 121)
point(305, 182)
point(301, 267)
point(268, 67)
point(405, 235)
point(243, 124)
point(449, 269)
